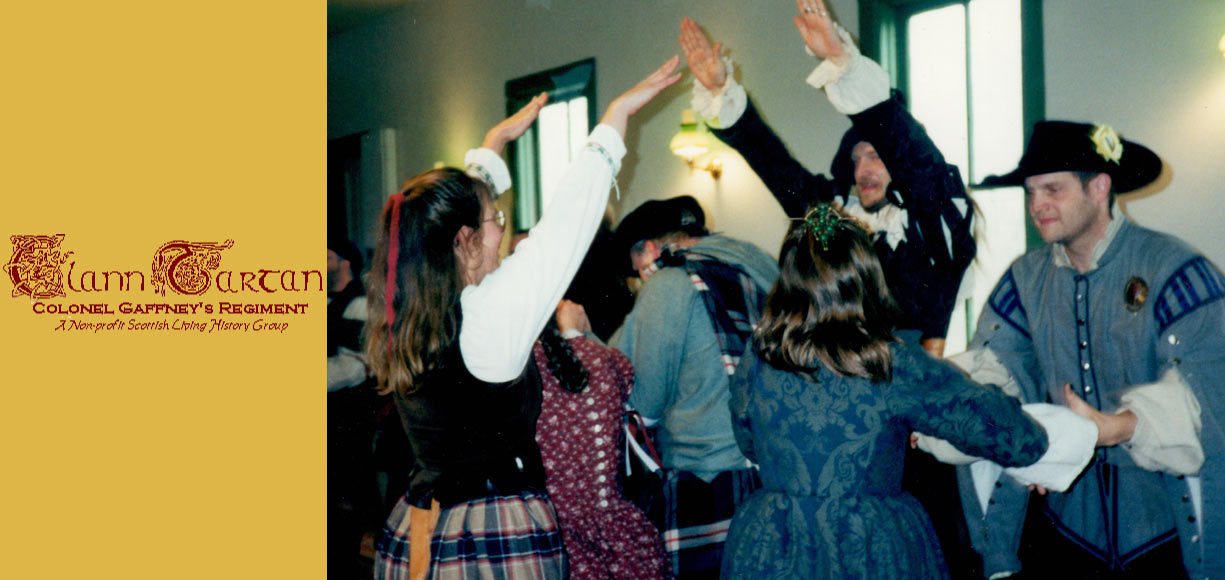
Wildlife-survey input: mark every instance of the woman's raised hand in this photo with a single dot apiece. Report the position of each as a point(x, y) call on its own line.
point(515, 125)
point(704, 60)
point(816, 26)
point(619, 111)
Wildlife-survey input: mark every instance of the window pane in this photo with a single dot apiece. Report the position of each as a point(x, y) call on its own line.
point(554, 124)
point(578, 124)
point(526, 184)
point(936, 49)
point(1002, 214)
point(995, 70)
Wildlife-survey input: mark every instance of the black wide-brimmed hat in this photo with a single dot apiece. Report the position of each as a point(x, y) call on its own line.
point(1067, 146)
point(656, 218)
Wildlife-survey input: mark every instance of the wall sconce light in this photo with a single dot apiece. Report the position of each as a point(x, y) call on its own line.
point(1222, 45)
point(691, 143)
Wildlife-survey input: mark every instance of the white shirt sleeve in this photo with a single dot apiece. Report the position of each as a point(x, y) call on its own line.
point(503, 315)
point(853, 85)
point(1070, 443)
point(1071, 438)
point(984, 367)
point(1167, 426)
point(346, 369)
point(720, 109)
point(489, 167)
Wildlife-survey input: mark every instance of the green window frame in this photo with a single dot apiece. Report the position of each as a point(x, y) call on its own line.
point(565, 83)
point(884, 38)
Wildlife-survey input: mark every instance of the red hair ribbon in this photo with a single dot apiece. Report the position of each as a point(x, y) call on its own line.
point(393, 259)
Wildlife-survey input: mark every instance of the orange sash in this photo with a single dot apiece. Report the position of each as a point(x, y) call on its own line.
point(421, 524)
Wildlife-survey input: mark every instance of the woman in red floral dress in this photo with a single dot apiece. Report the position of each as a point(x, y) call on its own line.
point(580, 437)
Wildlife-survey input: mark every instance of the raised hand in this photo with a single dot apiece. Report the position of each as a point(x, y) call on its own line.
point(619, 111)
point(703, 59)
point(515, 125)
point(817, 28)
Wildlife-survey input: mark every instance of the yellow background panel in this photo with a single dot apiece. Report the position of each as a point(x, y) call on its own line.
point(163, 453)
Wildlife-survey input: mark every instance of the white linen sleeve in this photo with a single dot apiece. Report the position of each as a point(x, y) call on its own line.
point(1070, 443)
point(1071, 438)
point(720, 109)
point(503, 315)
point(1167, 427)
point(854, 85)
point(489, 167)
point(943, 451)
point(346, 369)
point(984, 367)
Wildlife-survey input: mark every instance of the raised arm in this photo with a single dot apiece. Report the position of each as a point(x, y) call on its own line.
point(735, 121)
point(503, 315)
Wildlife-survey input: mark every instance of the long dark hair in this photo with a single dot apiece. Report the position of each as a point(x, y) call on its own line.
point(831, 306)
point(427, 279)
point(562, 361)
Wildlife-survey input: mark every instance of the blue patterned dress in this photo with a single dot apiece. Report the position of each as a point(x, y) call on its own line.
point(830, 452)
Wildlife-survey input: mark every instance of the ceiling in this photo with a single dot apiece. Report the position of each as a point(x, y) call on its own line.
point(345, 15)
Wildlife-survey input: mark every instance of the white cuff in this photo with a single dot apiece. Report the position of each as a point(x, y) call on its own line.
point(607, 141)
point(1070, 443)
point(489, 167)
point(854, 85)
point(1167, 425)
point(722, 108)
point(572, 333)
point(1070, 439)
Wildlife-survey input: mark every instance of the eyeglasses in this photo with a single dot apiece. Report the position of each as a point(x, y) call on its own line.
point(497, 217)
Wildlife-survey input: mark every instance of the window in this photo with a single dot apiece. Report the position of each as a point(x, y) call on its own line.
point(972, 74)
point(539, 158)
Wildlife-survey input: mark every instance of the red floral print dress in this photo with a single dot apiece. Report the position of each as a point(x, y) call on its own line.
point(580, 437)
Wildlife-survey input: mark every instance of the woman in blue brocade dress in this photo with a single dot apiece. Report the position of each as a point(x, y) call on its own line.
point(825, 401)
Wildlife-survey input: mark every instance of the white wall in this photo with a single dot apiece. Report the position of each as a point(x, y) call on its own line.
point(1153, 71)
point(435, 71)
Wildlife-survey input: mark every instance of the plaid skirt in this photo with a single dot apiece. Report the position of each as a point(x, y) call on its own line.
point(698, 515)
point(494, 538)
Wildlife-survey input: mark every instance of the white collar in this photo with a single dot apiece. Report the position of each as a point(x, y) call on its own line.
point(890, 220)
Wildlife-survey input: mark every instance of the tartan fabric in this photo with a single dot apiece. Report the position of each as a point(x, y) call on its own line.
point(732, 298)
point(696, 527)
point(507, 537)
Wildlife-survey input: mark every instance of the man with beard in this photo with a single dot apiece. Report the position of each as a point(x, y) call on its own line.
point(887, 171)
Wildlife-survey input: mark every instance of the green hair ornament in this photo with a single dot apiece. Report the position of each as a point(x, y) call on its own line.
point(823, 220)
